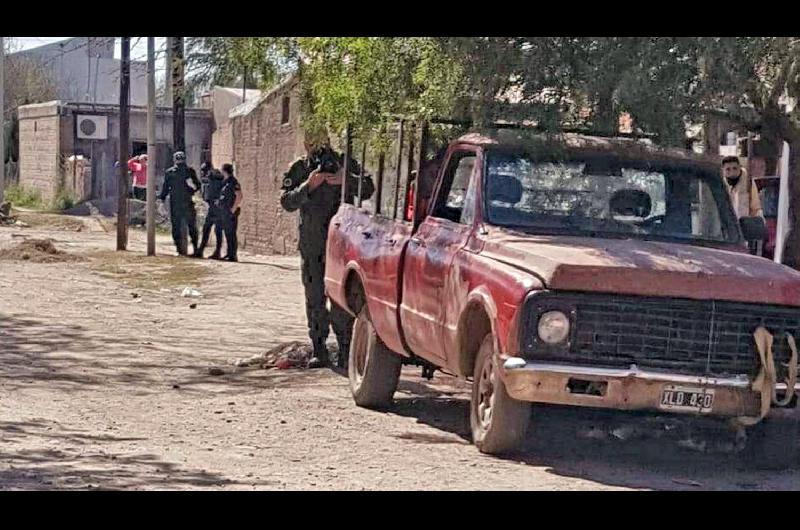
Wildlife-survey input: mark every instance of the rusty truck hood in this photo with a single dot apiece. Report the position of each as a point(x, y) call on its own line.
point(645, 268)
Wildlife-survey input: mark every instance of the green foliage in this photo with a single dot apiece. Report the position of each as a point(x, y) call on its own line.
point(63, 201)
point(362, 80)
point(223, 60)
point(554, 81)
point(19, 196)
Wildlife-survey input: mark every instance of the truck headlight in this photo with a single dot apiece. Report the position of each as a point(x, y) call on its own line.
point(553, 327)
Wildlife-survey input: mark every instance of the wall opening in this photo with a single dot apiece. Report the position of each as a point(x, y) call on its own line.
point(285, 109)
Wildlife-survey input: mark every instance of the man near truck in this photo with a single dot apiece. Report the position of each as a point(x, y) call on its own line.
point(741, 188)
point(313, 185)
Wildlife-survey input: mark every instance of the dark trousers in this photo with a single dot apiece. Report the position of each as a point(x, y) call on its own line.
point(230, 227)
point(139, 193)
point(213, 219)
point(319, 318)
point(183, 220)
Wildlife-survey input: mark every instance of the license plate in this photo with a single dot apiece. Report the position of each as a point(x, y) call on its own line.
point(684, 398)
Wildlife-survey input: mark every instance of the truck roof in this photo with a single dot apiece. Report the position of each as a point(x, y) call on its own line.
point(628, 148)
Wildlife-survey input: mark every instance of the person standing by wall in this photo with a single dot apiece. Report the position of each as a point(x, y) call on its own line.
point(230, 201)
point(212, 190)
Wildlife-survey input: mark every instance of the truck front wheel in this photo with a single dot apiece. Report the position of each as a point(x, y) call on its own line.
point(373, 369)
point(499, 422)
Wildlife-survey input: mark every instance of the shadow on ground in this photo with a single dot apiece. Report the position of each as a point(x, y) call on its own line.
point(557, 440)
point(71, 358)
point(68, 465)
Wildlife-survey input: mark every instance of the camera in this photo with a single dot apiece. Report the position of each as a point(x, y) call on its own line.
point(326, 161)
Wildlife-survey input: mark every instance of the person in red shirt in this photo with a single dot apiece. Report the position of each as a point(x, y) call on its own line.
point(138, 168)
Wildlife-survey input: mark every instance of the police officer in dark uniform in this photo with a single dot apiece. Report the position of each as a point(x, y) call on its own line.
point(229, 200)
point(180, 183)
point(212, 180)
point(313, 185)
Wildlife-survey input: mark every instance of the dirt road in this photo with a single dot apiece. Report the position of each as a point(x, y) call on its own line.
point(106, 384)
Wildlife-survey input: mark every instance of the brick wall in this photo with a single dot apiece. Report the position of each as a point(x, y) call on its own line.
point(222, 145)
point(263, 148)
point(39, 132)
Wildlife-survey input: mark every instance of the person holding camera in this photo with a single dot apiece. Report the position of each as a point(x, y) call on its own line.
point(313, 185)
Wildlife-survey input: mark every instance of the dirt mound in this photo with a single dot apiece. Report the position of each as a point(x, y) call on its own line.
point(37, 251)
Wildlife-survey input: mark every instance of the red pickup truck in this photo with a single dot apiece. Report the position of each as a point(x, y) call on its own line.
point(573, 270)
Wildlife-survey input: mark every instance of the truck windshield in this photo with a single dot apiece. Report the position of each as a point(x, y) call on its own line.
point(607, 196)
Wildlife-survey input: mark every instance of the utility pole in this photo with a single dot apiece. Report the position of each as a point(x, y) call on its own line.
point(151, 146)
point(124, 136)
point(2, 120)
point(178, 97)
point(168, 75)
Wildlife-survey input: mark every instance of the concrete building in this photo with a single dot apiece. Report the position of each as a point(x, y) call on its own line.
point(265, 136)
point(53, 132)
point(84, 69)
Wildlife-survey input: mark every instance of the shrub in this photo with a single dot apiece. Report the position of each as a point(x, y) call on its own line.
point(63, 201)
point(19, 196)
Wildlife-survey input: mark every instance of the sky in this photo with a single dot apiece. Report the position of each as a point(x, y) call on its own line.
point(138, 47)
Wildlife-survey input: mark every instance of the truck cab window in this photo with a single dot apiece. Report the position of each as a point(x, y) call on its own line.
point(456, 183)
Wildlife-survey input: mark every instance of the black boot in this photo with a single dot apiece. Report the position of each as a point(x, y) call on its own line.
point(320, 358)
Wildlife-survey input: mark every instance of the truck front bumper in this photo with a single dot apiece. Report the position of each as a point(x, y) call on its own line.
point(626, 389)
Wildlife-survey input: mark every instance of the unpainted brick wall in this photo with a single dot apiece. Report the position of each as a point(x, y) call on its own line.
point(39, 155)
point(263, 148)
point(222, 145)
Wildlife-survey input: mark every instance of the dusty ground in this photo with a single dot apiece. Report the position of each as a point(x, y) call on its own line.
point(105, 383)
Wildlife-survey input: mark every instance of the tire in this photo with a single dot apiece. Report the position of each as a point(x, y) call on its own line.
point(774, 443)
point(502, 428)
point(373, 369)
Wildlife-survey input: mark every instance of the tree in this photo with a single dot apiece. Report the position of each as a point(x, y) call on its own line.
point(26, 81)
point(224, 60)
point(662, 82)
point(755, 82)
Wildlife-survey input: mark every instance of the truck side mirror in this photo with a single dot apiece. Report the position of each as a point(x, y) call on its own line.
point(753, 228)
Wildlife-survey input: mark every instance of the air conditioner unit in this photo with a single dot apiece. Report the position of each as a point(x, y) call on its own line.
point(92, 127)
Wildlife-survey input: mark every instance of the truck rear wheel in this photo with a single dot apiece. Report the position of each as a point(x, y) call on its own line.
point(373, 369)
point(775, 443)
point(499, 422)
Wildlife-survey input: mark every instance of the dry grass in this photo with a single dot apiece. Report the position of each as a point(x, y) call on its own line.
point(50, 220)
point(148, 272)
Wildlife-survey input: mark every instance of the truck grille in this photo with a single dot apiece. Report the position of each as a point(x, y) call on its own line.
point(697, 337)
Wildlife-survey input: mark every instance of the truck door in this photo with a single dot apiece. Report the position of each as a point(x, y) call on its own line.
point(370, 236)
point(430, 254)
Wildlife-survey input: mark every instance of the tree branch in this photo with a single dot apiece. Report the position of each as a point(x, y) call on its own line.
point(733, 115)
